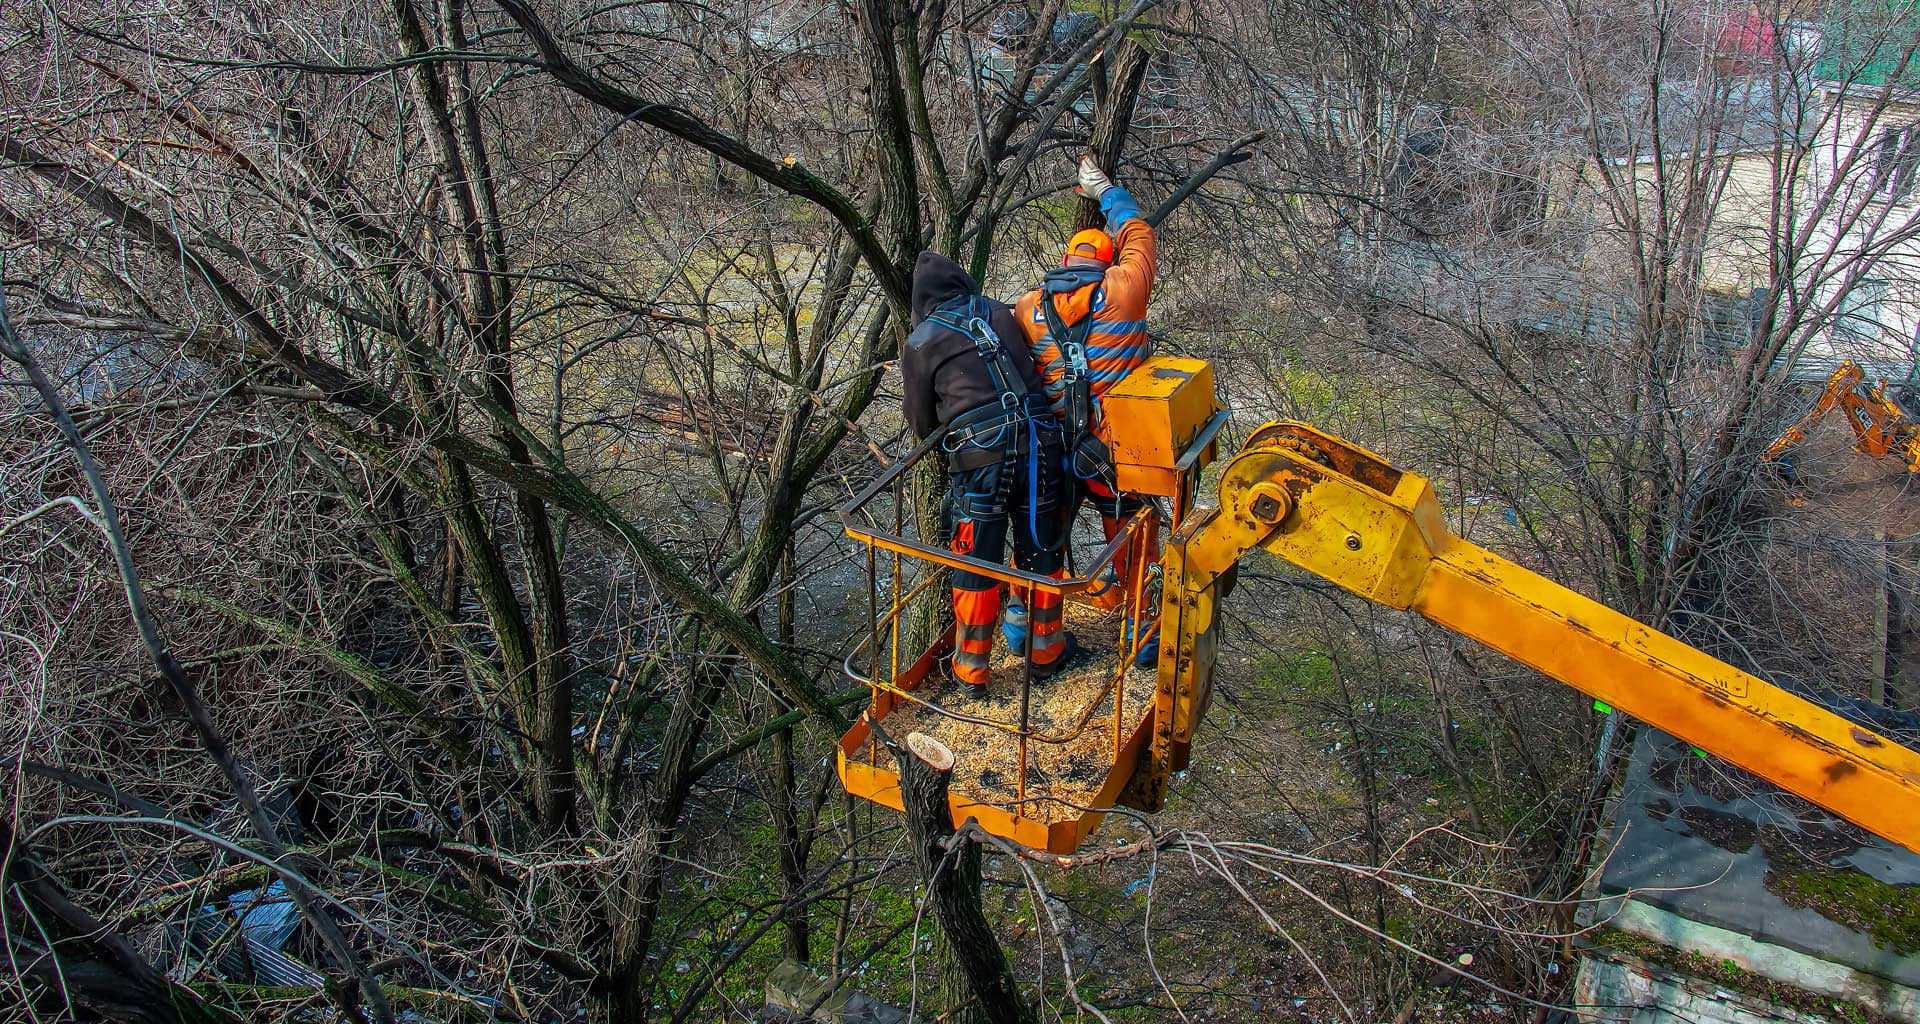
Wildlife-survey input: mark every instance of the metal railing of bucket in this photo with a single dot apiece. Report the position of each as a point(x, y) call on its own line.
point(884, 673)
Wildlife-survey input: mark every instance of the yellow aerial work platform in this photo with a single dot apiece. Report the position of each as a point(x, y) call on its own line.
point(1340, 512)
point(1110, 727)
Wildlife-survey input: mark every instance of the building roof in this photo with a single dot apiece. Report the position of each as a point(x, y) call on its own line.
point(1734, 115)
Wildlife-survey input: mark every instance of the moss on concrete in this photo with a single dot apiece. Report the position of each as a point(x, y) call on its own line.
point(1890, 914)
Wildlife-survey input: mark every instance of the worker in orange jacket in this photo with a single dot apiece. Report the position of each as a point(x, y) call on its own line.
point(1086, 328)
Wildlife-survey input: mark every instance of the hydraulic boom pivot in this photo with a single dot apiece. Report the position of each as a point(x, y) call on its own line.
point(1342, 513)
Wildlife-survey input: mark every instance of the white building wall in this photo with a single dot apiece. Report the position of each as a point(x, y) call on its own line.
point(1864, 256)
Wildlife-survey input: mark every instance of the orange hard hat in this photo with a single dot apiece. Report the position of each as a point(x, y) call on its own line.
point(1092, 244)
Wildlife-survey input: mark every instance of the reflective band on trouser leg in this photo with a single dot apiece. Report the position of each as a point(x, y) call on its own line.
point(1044, 615)
point(974, 615)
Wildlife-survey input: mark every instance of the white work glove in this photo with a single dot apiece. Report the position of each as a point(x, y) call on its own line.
point(1093, 180)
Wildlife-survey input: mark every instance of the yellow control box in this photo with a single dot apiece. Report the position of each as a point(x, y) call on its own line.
point(1151, 416)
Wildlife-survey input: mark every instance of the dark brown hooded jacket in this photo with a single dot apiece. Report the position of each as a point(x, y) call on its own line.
point(941, 372)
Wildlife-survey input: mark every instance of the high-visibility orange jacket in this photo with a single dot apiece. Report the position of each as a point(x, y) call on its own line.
point(1117, 301)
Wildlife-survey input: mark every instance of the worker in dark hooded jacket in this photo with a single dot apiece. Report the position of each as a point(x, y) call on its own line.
point(965, 366)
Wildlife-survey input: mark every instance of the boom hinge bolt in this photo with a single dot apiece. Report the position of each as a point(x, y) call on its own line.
point(1353, 542)
point(1269, 504)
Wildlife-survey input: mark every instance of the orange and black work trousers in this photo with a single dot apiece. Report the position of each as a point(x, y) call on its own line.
point(1017, 496)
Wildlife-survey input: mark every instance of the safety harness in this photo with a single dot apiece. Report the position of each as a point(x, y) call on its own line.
point(996, 426)
point(987, 426)
point(1087, 455)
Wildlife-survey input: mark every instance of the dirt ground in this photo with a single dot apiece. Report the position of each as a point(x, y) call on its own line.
point(1850, 520)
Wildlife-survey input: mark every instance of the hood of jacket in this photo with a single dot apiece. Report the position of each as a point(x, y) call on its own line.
point(1071, 279)
point(1067, 288)
point(937, 281)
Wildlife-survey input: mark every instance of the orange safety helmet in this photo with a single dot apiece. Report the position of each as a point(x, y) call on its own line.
point(1089, 247)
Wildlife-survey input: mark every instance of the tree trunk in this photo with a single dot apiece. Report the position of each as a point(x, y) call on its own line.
point(1902, 690)
point(786, 825)
point(1114, 96)
point(950, 867)
point(625, 992)
point(543, 697)
point(930, 613)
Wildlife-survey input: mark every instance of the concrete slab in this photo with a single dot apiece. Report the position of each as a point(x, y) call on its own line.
point(794, 988)
point(1708, 843)
point(1626, 990)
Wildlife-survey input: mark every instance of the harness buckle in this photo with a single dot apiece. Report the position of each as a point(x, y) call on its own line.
point(1076, 362)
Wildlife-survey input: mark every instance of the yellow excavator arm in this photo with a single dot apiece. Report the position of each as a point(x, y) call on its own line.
point(1879, 425)
point(1343, 513)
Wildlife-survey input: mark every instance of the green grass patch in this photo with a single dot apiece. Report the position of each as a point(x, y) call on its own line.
point(1311, 389)
point(1387, 714)
point(1296, 675)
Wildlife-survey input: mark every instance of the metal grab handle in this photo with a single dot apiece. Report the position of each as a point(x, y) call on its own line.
point(893, 472)
point(995, 570)
point(1086, 717)
point(1201, 440)
point(1006, 574)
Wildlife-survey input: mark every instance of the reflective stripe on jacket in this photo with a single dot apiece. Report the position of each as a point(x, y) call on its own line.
point(1118, 304)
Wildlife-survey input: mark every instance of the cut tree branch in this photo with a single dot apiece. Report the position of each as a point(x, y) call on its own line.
point(1236, 153)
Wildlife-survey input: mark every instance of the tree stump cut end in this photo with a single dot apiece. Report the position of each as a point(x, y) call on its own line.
point(931, 752)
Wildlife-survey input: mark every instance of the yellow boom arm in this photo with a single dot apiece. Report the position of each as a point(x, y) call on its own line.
point(1341, 512)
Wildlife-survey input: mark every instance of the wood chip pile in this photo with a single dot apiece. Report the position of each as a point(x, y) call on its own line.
point(1061, 777)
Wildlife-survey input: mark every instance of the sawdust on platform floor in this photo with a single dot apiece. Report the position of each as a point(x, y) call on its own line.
point(1061, 777)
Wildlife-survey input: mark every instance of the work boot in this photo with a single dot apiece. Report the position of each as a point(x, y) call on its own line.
point(1071, 655)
